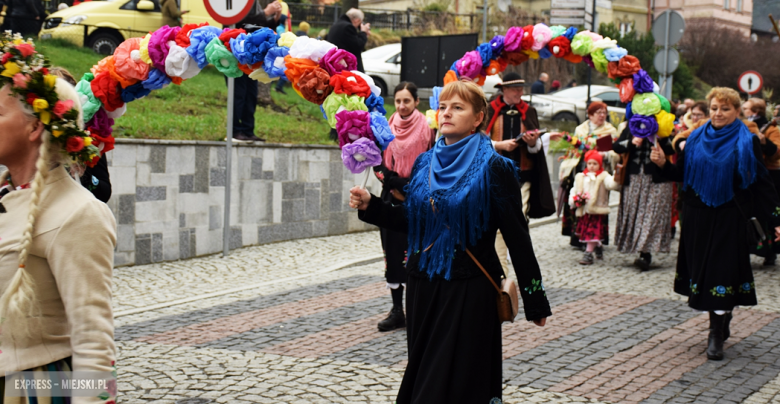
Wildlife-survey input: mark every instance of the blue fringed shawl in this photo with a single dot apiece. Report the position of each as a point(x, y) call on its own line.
point(462, 210)
point(712, 157)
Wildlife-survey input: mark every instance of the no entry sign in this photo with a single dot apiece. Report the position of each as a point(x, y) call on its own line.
point(750, 82)
point(228, 11)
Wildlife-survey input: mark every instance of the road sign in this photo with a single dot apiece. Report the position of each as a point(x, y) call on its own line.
point(228, 12)
point(671, 62)
point(567, 4)
point(675, 23)
point(567, 13)
point(750, 82)
point(604, 4)
point(567, 21)
point(589, 17)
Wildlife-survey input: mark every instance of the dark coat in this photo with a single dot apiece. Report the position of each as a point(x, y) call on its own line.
point(537, 87)
point(344, 35)
point(256, 16)
point(97, 180)
point(639, 157)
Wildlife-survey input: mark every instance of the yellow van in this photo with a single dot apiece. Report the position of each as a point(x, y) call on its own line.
point(103, 25)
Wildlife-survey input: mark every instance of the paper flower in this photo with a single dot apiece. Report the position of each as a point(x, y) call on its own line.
point(101, 65)
point(258, 43)
point(381, 130)
point(353, 125)
point(183, 37)
point(542, 35)
point(588, 61)
point(485, 53)
point(295, 67)
point(629, 114)
point(642, 82)
point(338, 60)
point(107, 90)
point(645, 104)
point(599, 60)
point(236, 46)
point(513, 39)
point(557, 30)
point(199, 39)
point(157, 80)
point(570, 33)
point(310, 48)
point(497, 44)
point(361, 154)
point(665, 123)
point(560, 46)
point(582, 44)
point(665, 105)
point(117, 113)
point(627, 91)
point(515, 58)
point(376, 103)
point(643, 126)
point(274, 61)
point(432, 116)
point(127, 60)
point(134, 92)
point(228, 34)
point(89, 103)
point(287, 39)
point(314, 85)
point(433, 100)
point(450, 76)
point(573, 58)
point(374, 89)
point(143, 49)
point(261, 76)
point(528, 38)
point(111, 70)
point(219, 56)
point(180, 64)
point(160, 43)
point(339, 102)
point(470, 65)
point(627, 66)
point(615, 54)
point(350, 84)
point(100, 129)
point(594, 36)
point(545, 53)
point(495, 67)
point(605, 43)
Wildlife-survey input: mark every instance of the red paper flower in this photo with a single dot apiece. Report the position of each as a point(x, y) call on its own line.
point(74, 144)
point(108, 91)
point(528, 37)
point(627, 91)
point(183, 37)
point(573, 58)
point(626, 67)
point(92, 162)
point(230, 34)
point(515, 58)
point(560, 46)
point(314, 85)
point(350, 84)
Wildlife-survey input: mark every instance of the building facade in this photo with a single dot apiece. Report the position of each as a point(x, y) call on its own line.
point(737, 14)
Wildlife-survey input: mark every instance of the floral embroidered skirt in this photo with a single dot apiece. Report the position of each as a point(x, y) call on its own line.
point(713, 264)
point(592, 228)
point(41, 373)
point(644, 217)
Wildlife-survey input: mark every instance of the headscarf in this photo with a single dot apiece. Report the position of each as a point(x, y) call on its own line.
point(594, 155)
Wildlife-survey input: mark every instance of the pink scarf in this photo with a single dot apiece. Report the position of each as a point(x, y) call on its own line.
point(412, 138)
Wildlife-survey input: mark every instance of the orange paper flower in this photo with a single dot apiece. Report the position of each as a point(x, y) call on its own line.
point(450, 77)
point(297, 66)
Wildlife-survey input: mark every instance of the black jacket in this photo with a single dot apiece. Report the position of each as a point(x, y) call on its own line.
point(537, 87)
point(640, 156)
point(256, 16)
point(26, 8)
point(344, 35)
point(97, 181)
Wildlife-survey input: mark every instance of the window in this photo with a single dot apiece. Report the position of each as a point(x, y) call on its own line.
point(625, 28)
point(132, 4)
point(739, 6)
point(611, 98)
point(726, 4)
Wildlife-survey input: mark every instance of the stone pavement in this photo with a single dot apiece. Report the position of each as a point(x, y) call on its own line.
point(295, 322)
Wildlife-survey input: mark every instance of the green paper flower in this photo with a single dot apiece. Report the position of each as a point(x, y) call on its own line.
point(219, 56)
point(557, 30)
point(91, 105)
point(335, 102)
point(646, 104)
point(582, 44)
point(665, 105)
point(599, 60)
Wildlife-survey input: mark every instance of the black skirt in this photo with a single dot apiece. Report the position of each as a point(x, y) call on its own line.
point(454, 338)
point(394, 247)
point(713, 264)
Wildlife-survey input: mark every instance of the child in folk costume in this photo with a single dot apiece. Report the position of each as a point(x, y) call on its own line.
point(590, 198)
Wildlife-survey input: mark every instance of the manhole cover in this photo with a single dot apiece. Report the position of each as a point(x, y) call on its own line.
point(194, 401)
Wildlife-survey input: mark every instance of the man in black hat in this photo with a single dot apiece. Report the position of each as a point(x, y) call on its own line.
point(510, 117)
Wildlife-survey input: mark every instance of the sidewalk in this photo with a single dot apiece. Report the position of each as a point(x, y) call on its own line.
point(295, 322)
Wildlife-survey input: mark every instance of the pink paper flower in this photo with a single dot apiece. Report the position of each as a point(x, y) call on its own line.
point(61, 107)
point(338, 60)
point(353, 125)
point(542, 35)
point(20, 80)
point(513, 39)
point(470, 65)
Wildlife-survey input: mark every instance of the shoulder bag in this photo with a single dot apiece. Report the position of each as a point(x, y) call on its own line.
point(507, 299)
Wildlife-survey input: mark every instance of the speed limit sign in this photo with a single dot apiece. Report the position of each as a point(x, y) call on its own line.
point(228, 12)
point(750, 82)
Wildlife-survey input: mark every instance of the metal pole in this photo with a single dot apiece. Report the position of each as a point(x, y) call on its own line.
point(667, 91)
point(231, 82)
point(484, 20)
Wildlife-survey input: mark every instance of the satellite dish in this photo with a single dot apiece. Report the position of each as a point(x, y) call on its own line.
point(503, 5)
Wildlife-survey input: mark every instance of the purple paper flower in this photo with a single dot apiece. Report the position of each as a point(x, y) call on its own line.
point(157, 80)
point(513, 39)
point(470, 65)
point(643, 126)
point(381, 130)
point(485, 53)
point(134, 92)
point(361, 154)
point(353, 125)
point(587, 59)
point(158, 45)
point(497, 44)
point(101, 123)
point(642, 82)
point(338, 60)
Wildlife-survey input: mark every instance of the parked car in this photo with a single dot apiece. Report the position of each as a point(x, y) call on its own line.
point(570, 104)
point(103, 25)
point(383, 64)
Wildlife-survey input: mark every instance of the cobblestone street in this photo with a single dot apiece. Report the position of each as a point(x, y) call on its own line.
point(295, 322)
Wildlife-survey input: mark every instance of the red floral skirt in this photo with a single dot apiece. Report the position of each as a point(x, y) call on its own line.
point(592, 228)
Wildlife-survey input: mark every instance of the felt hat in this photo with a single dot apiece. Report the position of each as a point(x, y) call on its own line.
point(511, 79)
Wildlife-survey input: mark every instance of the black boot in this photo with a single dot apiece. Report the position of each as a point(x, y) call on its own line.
point(715, 340)
point(394, 320)
point(726, 322)
point(643, 262)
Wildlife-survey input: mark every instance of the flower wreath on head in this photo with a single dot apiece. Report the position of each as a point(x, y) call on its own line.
point(26, 72)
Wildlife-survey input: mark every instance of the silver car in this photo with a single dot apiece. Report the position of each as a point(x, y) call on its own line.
point(570, 104)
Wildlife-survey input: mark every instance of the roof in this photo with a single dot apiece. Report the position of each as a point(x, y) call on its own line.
point(761, 11)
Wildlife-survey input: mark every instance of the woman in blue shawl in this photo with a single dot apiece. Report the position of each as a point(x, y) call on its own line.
point(724, 183)
point(460, 193)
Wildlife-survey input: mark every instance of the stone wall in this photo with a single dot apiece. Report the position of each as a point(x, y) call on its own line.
point(168, 196)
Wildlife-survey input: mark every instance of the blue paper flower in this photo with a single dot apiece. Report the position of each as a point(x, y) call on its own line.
point(545, 53)
point(324, 114)
point(134, 92)
point(497, 44)
point(376, 104)
point(615, 54)
point(157, 80)
point(486, 53)
point(570, 32)
point(381, 130)
point(258, 43)
point(238, 47)
point(454, 68)
point(272, 64)
point(629, 113)
point(199, 38)
point(433, 100)
point(642, 82)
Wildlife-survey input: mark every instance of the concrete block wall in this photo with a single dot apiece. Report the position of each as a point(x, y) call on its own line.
point(168, 196)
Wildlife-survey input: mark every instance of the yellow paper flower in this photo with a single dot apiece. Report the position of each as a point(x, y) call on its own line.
point(40, 105)
point(287, 39)
point(665, 123)
point(11, 68)
point(144, 49)
point(57, 133)
point(531, 54)
point(87, 141)
point(50, 80)
point(430, 115)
